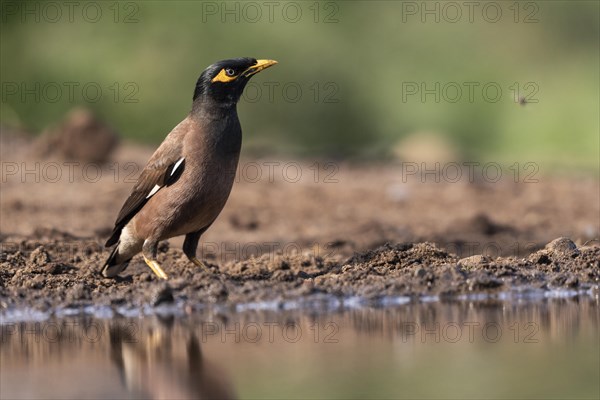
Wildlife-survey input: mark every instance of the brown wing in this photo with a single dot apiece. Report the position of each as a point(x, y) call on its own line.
point(163, 169)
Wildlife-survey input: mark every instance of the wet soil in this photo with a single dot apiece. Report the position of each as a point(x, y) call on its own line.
point(338, 230)
point(43, 279)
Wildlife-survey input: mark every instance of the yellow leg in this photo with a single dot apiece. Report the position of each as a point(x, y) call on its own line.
point(155, 267)
point(198, 262)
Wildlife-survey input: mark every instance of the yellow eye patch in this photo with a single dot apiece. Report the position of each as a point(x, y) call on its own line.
point(223, 77)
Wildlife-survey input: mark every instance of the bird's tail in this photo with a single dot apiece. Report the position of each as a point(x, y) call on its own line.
point(113, 266)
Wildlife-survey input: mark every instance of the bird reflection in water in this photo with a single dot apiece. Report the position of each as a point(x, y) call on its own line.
point(159, 364)
point(121, 358)
point(400, 348)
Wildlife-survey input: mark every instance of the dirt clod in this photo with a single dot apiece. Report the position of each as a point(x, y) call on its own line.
point(474, 261)
point(563, 247)
point(81, 136)
point(39, 257)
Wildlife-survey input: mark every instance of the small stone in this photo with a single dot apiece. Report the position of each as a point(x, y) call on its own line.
point(473, 261)
point(562, 247)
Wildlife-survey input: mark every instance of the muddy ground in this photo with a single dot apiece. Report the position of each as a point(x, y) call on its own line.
point(296, 230)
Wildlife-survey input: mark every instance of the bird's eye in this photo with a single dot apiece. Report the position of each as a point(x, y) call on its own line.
point(230, 72)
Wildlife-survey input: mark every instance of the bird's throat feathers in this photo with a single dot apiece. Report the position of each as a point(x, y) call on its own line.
point(208, 107)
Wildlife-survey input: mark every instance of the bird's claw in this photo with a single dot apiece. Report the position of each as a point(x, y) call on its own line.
point(156, 268)
point(198, 263)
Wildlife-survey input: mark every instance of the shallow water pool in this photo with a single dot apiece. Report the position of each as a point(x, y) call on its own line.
point(541, 348)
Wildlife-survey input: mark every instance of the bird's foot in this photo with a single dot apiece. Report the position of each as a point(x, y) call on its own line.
point(198, 263)
point(156, 268)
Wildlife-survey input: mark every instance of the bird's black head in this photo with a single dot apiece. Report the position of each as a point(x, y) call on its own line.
point(224, 81)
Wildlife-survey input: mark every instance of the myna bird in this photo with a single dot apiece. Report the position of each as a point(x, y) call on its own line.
point(187, 181)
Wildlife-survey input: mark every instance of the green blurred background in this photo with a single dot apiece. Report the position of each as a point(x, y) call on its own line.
point(351, 61)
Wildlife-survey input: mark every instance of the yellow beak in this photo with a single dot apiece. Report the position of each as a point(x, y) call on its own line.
point(259, 66)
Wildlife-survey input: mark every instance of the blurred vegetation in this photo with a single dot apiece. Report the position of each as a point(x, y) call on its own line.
point(360, 60)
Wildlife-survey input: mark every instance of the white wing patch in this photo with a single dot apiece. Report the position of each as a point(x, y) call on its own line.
point(156, 188)
point(177, 164)
point(153, 191)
